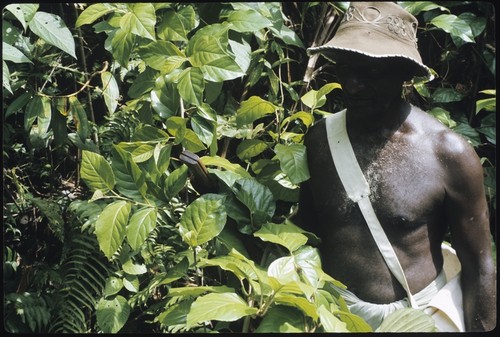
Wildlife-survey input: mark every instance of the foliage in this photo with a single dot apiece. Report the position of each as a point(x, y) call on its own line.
point(154, 155)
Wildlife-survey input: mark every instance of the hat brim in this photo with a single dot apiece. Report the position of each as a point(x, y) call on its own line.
point(353, 39)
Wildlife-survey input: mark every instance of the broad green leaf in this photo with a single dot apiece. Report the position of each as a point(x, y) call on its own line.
point(176, 181)
point(443, 116)
point(17, 11)
point(257, 198)
point(191, 142)
point(488, 128)
point(33, 109)
point(469, 133)
point(51, 28)
point(139, 151)
point(277, 317)
point(176, 126)
point(197, 291)
point(242, 54)
point(204, 129)
point(45, 116)
point(175, 26)
point(113, 286)
point(175, 315)
point(191, 85)
point(92, 13)
point(298, 302)
point(208, 50)
point(226, 164)
point(203, 219)
point(148, 133)
point(415, 7)
point(454, 25)
point(112, 314)
point(110, 227)
point(446, 95)
point(250, 148)
point(122, 44)
point(488, 104)
point(286, 235)
point(141, 224)
point(157, 53)
point(134, 269)
point(130, 180)
point(6, 77)
point(11, 53)
point(304, 266)
point(96, 172)
point(293, 161)
point(249, 20)
point(225, 307)
point(165, 98)
point(407, 320)
point(330, 322)
point(140, 21)
point(80, 117)
point(144, 83)
point(253, 109)
point(477, 24)
point(316, 99)
point(110, 91)
point(161, 156)
point(18, 103)
point(131, 283)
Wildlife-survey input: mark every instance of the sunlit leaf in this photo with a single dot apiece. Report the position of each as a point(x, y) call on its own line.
point(293, 161)
point(96, 172)
point(110, 227)
point(112, 314)
point(247, 21)
point(253, 109)
point(141, 20)
point(407, 320)
point(92, 13)
point(141, 224)
point(51, 28)
point(110, 91)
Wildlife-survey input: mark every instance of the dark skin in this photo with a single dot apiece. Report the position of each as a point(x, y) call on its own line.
point(425, 180)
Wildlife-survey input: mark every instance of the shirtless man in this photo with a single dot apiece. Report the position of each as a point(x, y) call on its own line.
point(424, 178)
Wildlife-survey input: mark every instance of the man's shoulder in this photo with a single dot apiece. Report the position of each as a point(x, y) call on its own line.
point(448, 144)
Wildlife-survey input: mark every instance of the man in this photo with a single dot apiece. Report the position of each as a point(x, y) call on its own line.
point(423, 179)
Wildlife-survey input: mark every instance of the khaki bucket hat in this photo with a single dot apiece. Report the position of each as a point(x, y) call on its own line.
point(377, 29)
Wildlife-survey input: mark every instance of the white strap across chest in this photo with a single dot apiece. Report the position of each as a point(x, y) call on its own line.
point(358, 190)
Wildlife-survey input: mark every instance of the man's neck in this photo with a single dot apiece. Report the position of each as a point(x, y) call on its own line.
point(383, 123)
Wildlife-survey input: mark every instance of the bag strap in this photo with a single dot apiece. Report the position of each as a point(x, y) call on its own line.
point(358, 190)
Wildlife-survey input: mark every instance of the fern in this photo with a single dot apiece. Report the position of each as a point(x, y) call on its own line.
point(84, 279)
point(31, 309)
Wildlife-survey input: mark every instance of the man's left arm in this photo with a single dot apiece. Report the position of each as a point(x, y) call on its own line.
point(467, 216)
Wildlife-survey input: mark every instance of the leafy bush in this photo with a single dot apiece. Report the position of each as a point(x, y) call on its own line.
point(154, 154)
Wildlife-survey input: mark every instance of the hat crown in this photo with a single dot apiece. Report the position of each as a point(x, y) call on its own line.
point(386, 16)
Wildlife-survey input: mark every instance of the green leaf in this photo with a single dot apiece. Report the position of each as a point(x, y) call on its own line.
point(287, 235)
point(113, 286)
point(293, 161)
point(96, 172)
point(110, 91)
point(253, 109)
point(122, 43)
point(176, 181)
point(407, 320)
point(488, 104)
point(162, 55)
point(303, 266)
point(112, 314)
point(278, 317)
point(141, 224)
point(203, 219)
point(298, 302)
point(415, 7)
point(249, 20)
point(316, 99)
point(443, 116)
point(130, 180)
point(110, 227)
point(134, 269)
point(330, 322)
point(80, 117)
point(17, 11)
point(44, 117)
point(175, 26)
point(6, 77)
point(226, 164)
point(176, 126)
point(141, 20)
point(11, 53)
point(53, 213)
point(225, 307)
point(250, 148)
point(19, 103)
point(191, 142)
point(446, 95)
point(191, 85)
point(207, 50)
point(256, 197)
point(454, 25)
point(52, 29)
point(92, 13)
point(165, 99)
